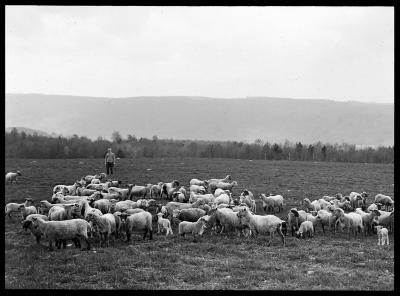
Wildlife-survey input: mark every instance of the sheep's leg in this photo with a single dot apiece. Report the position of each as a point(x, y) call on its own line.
point(151, 234)
point(128, 236)
point(281, 234)
point(51, 245)
point(145, 233)
point(158, 228)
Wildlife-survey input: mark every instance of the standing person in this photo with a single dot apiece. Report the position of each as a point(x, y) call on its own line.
point(109, 161)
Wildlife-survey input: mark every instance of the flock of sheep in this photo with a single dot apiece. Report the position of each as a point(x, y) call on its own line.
point(92, 207)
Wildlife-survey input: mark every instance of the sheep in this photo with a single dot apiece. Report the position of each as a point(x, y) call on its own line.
point(223, 199)
point(66, 212)
point(228, 178)
point(124, 193)
point(100, 176)
point(206, 197)
point(86, 209)
point(163, 223)
point(72, 189)
point(350, 220)
point(191, 214)
point(197, 189)
point(81, 191)
point(169, 188)
point(384, 200)
point(139, 191)
point(374, 206)
point(336, 204)
point(74, 229)
point(61, 189)
point(95, 181)
point(226, 219)
point(272, 201)
point(115, 183)
point(106, 225)
point(263, 224)
point(59, 198)
point(155, 191)
point(183, 190)
point(27, 210)
point(199, 182)
point(12, 177)
point(222, 185)
point(383, 237)
point(368, 218)
point(305, 227)
point(103, 205)
point(220, 191)
point(28, 224)
point(171, 206)
point(178, 196)
point(295, 218)
point(195, 228)
point(312, 206)
point(15, 207)
point(138, 221)
point(325, 218)
point(355, 198)
point(386, 219)
point(247, 197)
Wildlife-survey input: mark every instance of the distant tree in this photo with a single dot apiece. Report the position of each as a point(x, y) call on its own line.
point(323, 152)
point(116, 137)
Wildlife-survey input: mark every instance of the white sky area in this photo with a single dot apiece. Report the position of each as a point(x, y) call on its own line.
point(336, 53)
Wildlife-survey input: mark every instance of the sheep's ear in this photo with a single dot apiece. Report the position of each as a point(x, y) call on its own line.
point(295, 213)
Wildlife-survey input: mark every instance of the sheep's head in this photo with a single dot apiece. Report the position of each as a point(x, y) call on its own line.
point(294, 212)
point(123, 217)
point(364, 194)
point(346, 205)
point(228, 177)
point(175, 183)
point(176, 213)
point(26, 224)
point(245, 192)
point(19, 173)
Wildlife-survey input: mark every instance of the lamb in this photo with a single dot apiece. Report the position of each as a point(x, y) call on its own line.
point(138, 221)
point(106, 225)
point(368, 219)
point(350, 220)
point(162, 224)
point(155, 191)
point(15, 207)
point(27, 210)
point(12, 177)
point(169, 188)
point(384, 200)
point(191, 214)
point(383, 237)
point(139, 191)
point(325, 218)
point(28, 224)
point(226, 218)
point(306, 227)
point(66, 212)
point(54, 231)
point(195, 228)
point(247, 197)
point(271, 202)
point(197, 189)
point(222, 185)
point(263, 224)
point(199, 182)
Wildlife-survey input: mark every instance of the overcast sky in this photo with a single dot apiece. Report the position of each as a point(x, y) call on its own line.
point(337, 53)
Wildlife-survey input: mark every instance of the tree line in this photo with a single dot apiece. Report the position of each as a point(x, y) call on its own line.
point(22, 145)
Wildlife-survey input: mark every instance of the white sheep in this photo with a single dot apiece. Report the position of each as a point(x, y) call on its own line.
point(263, 224)
point(220, 191)
point(74, 229)
point(86, 209)
point(368, 219)
point(124, 193)
point(106, 225)
point(190, 214)
point(197, 189)
point(271, 202)
point(169, 188)
point(162, 224)
point(139, 191)
point(357, 198)
point(13, 207)
point(65, 212)
point(325, 217)
point(178, 196)
point(351, 220)
point(12, 177)
point(383, 237)
point(311, 206)
point(28, 224)
point(384, 200)
point(138, 221)
point(227, 219)
point(27, 210)
point(198, 182)
point(374, 206)
point(228, 178)
point(195, 228)
point(306, 227)
point(386, 219)
point(223, 199)
point(155, 191)
point(103, 205)
point(208, 198)
point(247, 197)
point(222, 185)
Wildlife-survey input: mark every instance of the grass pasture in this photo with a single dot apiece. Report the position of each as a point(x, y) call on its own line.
point(330, 262)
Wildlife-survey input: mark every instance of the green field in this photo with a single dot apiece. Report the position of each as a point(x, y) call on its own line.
point(211, 262)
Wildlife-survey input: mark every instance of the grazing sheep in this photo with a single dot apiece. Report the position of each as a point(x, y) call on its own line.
point(368, 219)
point(169, 188)
point(205, 197)
point(271, 202)
point(351, 220)
point(198, 182)
point(228, 219)
point(12, 177)
point(191, 214)
point(28, 224)
point(384, 200)
point(74, 229)
point(223, 199)
point(13, 207)
point(27, 210)
point(386, 219)
point(195, 228)
point(65, 212)
point(325, 218)
point(220, 191)
point(263, 224)
point(139, 191)
point(197, 189)
point(162, 224)
point(295, 218)
point(383, 237)
point(222, 185)
point(155, 191)
point(138, 221)
point(356, 198)
point(306, 227)
point(106, 225)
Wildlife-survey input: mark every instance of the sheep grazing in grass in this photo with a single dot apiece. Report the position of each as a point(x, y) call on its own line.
point(65, 212)
point(247, 197)
point(163, 224)
point(191, 214)
point(227, 220)
point(351, 220)
point(326, 219)
point(195, 228)
point(169, 208)
point(28, 224)
point(13, 207)
point(199, 182)
point(383, 237)
point(384, 200)
point(106, 225)
point(27, 210)
point(54, 231)
point(138, 221)
point(271, 202)
point(12, 177)
point(356, 199)
point(263, 224)
point(368, 219)
point(222, 185)
point(306, 227)
point(169, 188)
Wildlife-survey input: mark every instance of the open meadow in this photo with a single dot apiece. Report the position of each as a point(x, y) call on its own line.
point(326, 262)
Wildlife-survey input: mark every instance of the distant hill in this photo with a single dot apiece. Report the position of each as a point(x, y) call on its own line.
point(270, 119)
point(30, 131)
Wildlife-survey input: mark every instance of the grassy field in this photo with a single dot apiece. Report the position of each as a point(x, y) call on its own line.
point(211, 262)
